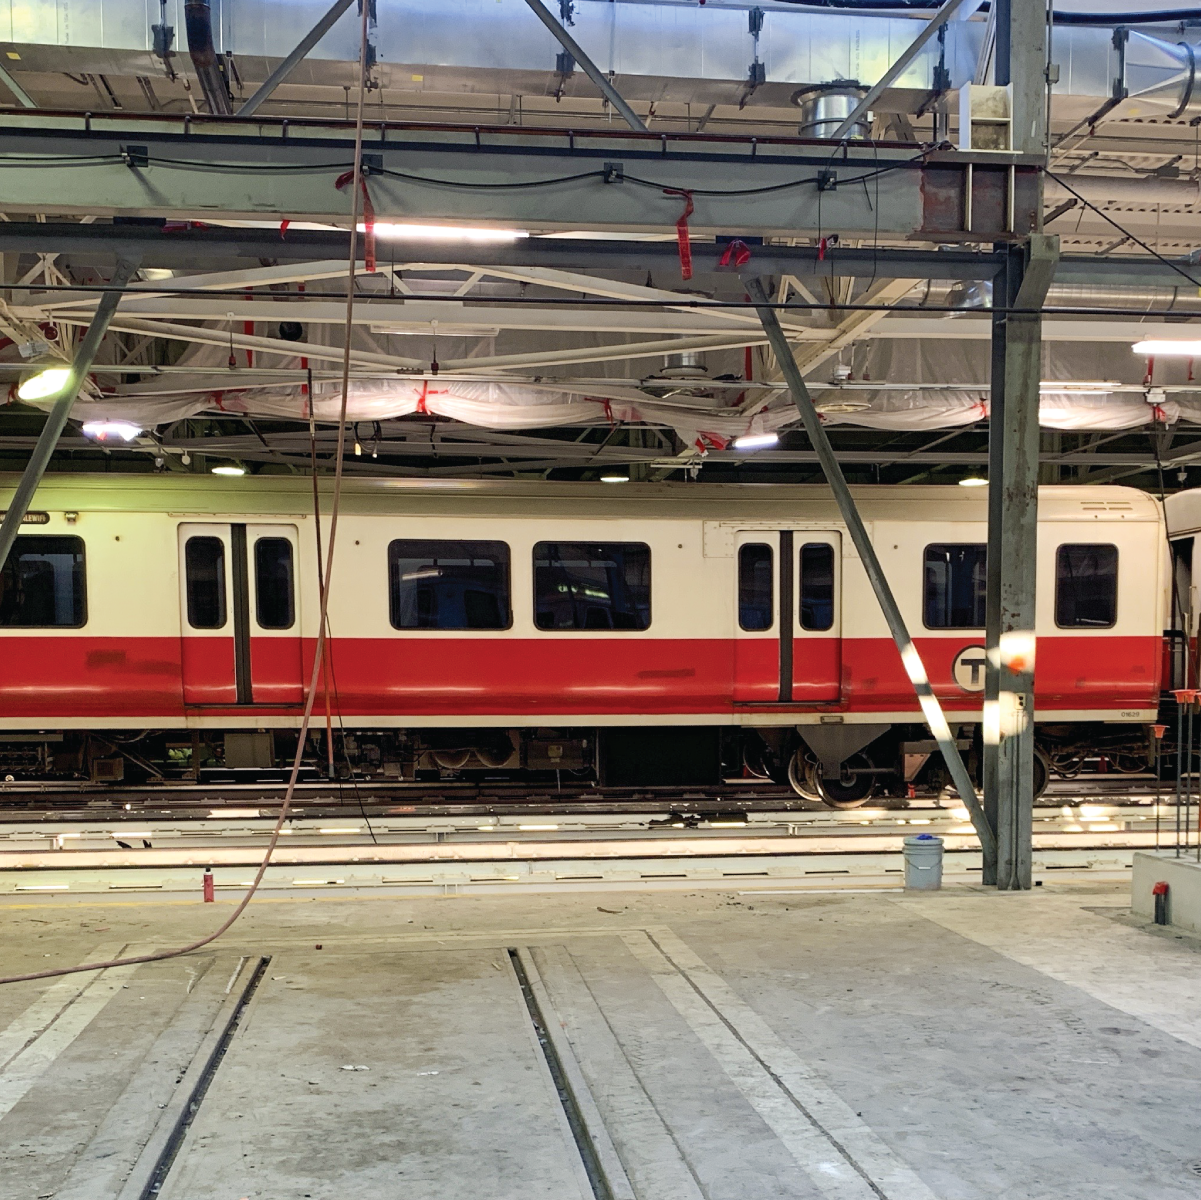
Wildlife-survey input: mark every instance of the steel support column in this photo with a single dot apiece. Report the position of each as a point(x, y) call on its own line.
point(1013, 460)
point(56, 422)
point(1013, 457)
point(931, 709)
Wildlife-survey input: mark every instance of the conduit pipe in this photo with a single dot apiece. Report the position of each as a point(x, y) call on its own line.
point(198, 20)
point(976, 296)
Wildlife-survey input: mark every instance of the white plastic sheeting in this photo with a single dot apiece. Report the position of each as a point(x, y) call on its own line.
point(936, 400)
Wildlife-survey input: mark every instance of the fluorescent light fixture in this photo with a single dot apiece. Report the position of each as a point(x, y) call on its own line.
point(1087, 386)
point(1154, 348)
point(43, 887)
point(615, 477)
point(973, 481)
point(446, 233)
point(755, 441)
point(45, 383)
point(531, 828)
point(315, 882)
point(424, 329)
point(121, 833)
point(111, 431)
point(341, 829)
point(229, 470)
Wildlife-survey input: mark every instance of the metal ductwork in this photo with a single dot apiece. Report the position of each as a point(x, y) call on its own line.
point(688, 364)
point(976, 295)
point(668, 52)
point(198, 20)
point(1161, 74)
point(825, 106)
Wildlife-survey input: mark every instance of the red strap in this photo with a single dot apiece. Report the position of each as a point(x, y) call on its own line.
point(706, 441)
point(608, 412)
point(368, 217)
point(283, 228)
point(736, 252)
point(682, 230)
point(425, 391)
point(821, 248)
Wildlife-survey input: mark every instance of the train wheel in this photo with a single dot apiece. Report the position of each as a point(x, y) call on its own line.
point(852, 787)
point(800, 777)
point(1042, 772)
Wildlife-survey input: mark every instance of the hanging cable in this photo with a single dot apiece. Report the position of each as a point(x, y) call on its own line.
point(285, 804)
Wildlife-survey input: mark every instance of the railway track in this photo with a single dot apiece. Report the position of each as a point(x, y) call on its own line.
point(157, 851)
point(87, 800)
point(469, 838)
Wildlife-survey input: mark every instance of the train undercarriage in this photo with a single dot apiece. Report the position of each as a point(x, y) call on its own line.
point(842, 766)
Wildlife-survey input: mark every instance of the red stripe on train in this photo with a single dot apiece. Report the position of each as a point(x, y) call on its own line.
point(78, 677)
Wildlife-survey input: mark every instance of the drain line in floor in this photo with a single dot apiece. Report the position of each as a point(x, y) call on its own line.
point(201, 1086)
point(571, 1108)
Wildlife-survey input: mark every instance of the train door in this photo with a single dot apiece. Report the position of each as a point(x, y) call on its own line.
point(757, 643)
point(240, 618)
point(788, 640)
point(817, 629)
point(274, 614)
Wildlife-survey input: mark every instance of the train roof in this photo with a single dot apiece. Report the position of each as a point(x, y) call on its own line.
point(284, 495)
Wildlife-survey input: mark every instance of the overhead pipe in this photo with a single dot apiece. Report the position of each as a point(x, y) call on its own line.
point(198, 20)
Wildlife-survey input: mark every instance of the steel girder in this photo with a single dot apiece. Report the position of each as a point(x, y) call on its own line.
point(184, 167)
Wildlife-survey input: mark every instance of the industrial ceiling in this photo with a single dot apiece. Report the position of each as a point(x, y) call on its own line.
point(531, 309)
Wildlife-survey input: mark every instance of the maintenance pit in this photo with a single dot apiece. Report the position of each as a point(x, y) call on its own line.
point(720, 1044)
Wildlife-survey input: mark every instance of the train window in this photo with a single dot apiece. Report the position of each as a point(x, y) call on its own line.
point(1182, 582)
point(817, 586)
point(756, 608)
point(592, 585)
point(42, 584)
point(1086, 586)
point(449, 585)
point(204, 563)
point(955, 586)
point(274, 592)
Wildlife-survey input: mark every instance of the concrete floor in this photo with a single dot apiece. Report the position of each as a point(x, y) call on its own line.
point(731, 1046)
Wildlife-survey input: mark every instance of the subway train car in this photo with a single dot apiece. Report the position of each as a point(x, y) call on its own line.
point(163, 627)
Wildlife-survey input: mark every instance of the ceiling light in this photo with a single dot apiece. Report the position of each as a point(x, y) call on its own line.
point(973, 481)
point(1156, 349)
point(845, 405)
point(423, 329)
point(615, 477)
point(45, 383)
point(446, 233)
point(755, 441)
point(111, 431)
point(229, 469)
point(1078, 385)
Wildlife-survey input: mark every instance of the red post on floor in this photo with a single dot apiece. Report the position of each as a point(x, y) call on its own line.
point(208, 885)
